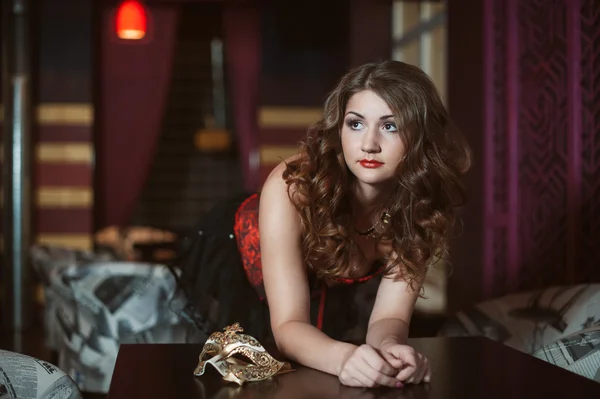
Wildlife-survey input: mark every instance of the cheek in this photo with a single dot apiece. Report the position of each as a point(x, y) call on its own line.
point(347, 142)
point(397, 149)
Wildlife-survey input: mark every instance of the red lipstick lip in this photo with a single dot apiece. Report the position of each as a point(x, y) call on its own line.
point(370, 163)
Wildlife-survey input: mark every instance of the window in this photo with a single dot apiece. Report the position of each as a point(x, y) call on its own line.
point(419, 37)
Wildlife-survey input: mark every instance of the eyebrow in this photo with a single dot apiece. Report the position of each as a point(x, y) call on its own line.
point(384, 117)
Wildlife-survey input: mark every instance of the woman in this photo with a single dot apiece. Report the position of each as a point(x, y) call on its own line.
point(372, 193)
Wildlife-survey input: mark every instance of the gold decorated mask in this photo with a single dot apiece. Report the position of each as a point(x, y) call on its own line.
point(219, 351)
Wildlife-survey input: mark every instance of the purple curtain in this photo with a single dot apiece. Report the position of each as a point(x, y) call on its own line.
point(242, 47)
point(134, 83)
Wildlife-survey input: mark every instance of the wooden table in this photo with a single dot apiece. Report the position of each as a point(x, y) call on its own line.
point(462, 368)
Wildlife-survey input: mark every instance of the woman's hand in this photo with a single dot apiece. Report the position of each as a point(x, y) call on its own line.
point(412, 366)
point(365, 367)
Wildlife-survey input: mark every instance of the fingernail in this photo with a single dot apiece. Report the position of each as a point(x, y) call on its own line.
point(399, 385)
point(426, 379)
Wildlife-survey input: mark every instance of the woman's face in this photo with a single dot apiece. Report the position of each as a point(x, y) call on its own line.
point(371, 141)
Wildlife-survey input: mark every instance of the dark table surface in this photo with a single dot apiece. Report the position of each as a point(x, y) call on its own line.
point(462, 368)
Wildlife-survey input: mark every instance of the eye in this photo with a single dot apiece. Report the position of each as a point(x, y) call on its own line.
point(354, 124)
point(390, 127)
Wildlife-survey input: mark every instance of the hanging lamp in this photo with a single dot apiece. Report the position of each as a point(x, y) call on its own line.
point(131, 20)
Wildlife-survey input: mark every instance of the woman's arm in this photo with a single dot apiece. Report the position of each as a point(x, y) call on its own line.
point(392, 312)
point(388, 330)
point(286, 282)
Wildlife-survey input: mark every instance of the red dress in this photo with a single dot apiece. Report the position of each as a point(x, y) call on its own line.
point(222, 278)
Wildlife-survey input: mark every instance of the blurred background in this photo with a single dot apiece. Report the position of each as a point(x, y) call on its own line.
point(120, 132)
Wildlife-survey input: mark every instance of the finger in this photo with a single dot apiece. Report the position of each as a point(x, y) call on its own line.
point(377, 361)
point(378, 378)
point(403, 352)
point(407, 358)
point(427, 377)
point(407, 372)
point(347, 379)
point(356, 383)
point(393, 361)
point(355, 376)
point(357, 369)
point(410, 365)
point(365, 380)
point(419, 372)
point(423, 367)
point(416, 378)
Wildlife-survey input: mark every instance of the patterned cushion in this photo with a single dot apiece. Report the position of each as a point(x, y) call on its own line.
point(47, 258)
point(529, 321)
point(48, 262)
point(557, 324)
point(579, 353)
point(98, 306)
point(23, 376)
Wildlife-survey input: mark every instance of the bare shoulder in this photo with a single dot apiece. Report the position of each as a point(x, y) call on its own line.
point(275, 185)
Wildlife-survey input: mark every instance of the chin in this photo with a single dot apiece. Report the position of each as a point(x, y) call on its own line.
point(372, 176)
point(373, 180)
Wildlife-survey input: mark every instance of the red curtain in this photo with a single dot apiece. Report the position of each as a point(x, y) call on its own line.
point(242, 47)
point(134, 83)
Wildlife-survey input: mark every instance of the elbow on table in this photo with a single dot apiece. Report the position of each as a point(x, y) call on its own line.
point(284, 334)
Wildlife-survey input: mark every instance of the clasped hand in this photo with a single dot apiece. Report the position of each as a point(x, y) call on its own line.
point(393, 366)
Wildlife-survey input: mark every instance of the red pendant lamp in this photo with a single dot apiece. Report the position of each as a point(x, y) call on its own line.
point(131, 20)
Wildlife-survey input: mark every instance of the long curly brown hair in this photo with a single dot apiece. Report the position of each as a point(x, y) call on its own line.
point(426, 191)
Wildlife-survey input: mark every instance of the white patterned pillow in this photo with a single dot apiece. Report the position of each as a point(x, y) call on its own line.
point(531, 320)
point(49, 261)
point(99, 306)
point(578, 352)
point(47, 258)
point(24, 376)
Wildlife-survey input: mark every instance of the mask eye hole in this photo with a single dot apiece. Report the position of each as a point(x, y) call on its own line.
point(209, 351)
point(240, 359)
point(239, 356)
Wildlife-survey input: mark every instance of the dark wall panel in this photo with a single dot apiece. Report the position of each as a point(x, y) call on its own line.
point(65, 50)
point(305, 50)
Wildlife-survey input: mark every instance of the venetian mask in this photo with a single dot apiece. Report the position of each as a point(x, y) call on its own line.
point(238, 358)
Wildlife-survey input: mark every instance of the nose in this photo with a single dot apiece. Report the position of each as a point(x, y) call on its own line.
point(370, 142)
